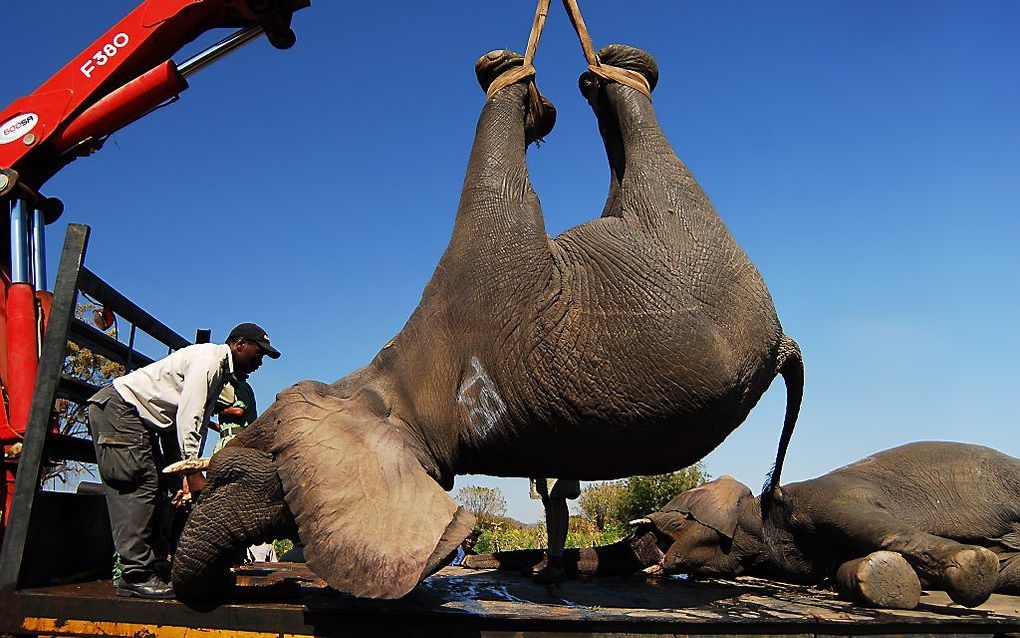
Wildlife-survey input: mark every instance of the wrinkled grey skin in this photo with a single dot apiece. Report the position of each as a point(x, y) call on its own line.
point(952, 510)
point(527, 356)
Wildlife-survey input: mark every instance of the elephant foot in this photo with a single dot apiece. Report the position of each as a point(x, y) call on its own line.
point(882, 579)
point(541, 112)
point(494, 64)
point(625, 57)
point(971, 575)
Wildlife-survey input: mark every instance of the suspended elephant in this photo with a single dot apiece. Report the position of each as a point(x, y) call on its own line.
point(947, 514)
point(632, 344)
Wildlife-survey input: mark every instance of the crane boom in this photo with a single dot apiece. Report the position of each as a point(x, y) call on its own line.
point(120, 77)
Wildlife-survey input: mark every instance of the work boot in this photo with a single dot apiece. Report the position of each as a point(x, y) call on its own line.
point(153, 587)
point(553, 572)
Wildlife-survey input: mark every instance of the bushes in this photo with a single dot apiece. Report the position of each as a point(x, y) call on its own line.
point(584, 533)
point(504, 534)
point(282, 546)
point(613, 504)
point(605, 508)
point(643, 495)
point(600, 504)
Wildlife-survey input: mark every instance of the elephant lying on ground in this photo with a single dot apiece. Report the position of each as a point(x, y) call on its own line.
point(632, 344)
point(947, 513)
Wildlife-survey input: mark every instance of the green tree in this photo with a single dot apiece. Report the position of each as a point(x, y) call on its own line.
point(486, 503)
point(600, 504)
point(645, 494)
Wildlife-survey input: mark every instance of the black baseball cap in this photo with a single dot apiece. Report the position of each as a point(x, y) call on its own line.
point(254, 333)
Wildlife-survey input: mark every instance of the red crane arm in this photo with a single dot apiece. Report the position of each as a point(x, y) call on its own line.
point(120, 77)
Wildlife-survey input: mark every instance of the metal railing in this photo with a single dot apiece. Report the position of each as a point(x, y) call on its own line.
point(40, 444)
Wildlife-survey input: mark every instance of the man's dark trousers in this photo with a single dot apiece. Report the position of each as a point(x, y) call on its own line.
point(127, 452)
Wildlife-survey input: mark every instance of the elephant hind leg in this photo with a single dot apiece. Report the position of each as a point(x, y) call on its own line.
point(972, 571)
point(881, 579)
point(968, 573)
point(649, 186)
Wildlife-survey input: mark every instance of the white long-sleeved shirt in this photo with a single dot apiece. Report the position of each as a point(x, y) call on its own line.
point(180, 390)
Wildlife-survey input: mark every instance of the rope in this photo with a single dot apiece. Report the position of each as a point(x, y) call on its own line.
point(633, 79)
point(541, 12)
point(527, 70)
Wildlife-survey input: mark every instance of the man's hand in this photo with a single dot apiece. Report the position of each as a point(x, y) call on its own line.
point(190, 486)
point(181, 500)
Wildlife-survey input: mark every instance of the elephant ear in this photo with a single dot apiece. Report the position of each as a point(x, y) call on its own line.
point(714, 504)
point(373, 522)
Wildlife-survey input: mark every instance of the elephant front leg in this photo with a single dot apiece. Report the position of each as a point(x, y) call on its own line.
point(967, 573)
point(880, 579)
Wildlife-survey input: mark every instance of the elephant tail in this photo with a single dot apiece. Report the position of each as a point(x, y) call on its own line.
point(790, 364)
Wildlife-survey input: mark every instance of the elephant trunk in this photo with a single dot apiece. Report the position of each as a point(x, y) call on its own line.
point(618, 559)
point(243, 505)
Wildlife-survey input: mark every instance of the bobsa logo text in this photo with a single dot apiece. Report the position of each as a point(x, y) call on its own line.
point(17, 127)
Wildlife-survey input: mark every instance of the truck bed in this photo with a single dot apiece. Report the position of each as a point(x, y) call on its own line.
point(286, 599)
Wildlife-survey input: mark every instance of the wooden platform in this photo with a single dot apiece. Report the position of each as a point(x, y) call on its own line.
point(288, 600)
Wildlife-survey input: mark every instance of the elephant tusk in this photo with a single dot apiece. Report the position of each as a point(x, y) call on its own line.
point(640, 521)
point(188, 466)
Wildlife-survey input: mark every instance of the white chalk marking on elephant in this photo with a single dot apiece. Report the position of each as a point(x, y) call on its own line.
point(479, 397)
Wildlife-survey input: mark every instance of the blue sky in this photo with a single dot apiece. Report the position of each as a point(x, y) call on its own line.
point(865, 154)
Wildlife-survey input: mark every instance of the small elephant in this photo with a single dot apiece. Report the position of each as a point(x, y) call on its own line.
point(637, 342)
point(943, 514)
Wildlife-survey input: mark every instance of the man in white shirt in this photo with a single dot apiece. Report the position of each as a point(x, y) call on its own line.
point(176, 393)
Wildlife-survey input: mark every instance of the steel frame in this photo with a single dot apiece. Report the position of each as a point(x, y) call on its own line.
point(39, 442)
